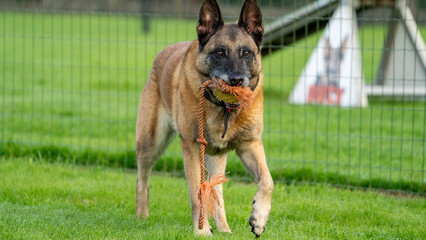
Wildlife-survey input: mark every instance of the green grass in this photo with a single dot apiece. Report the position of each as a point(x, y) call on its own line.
point(70, 86)
point(39, 200)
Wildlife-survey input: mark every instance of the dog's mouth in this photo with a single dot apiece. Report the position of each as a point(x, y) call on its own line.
point(233, 80)
point(222, 95)
point(232, 96)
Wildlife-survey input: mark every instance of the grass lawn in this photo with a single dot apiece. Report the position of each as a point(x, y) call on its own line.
point(70, 85)
point(40, 200)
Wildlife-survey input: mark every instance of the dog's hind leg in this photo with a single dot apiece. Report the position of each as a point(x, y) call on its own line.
point(215, 165)
point(153, 132)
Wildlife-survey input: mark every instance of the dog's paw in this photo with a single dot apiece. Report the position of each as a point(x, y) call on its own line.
point(206, 231)
point(225, 231)
point(222, 226)
point(257, 228)
point(258, 218)
point(142, 213)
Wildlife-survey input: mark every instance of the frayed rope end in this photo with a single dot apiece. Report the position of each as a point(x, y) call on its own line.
point(207, 194)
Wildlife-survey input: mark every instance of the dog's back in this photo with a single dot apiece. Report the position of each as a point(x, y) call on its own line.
point(166, 67)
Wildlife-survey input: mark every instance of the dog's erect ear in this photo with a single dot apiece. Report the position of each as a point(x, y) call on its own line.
point(209, 21)
point(251, 20)
point(326, 47)
point(344, 45)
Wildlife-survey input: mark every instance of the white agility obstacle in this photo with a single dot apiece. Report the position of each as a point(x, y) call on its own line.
point(333, 74)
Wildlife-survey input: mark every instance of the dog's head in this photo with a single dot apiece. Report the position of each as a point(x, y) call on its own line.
point(230, 52)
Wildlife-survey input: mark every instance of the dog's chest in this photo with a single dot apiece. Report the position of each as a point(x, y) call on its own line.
point(214, 129)
point(217, 149)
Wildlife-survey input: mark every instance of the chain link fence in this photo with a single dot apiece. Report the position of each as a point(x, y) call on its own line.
point(72, 72)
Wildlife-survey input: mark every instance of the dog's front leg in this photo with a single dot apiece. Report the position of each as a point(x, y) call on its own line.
point(252, 155)
point(191, 161)
point(216, 165)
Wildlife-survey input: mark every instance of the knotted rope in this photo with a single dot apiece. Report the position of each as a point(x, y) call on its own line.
point(205, 192)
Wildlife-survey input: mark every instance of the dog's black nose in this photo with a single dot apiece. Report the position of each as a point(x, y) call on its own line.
point(236, 79)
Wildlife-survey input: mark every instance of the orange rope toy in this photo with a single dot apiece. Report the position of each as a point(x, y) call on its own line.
point(244, 95)
point(205, 192)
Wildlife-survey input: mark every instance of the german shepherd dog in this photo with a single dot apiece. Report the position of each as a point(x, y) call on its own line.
point(170, 100)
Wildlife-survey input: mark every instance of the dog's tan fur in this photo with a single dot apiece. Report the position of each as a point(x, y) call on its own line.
point(169, 103)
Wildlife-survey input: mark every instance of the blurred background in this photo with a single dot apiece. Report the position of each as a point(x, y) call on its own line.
point(71, 73)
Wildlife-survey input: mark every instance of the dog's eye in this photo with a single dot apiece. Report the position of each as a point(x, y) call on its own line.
point(246, 53)
point(220, 53)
